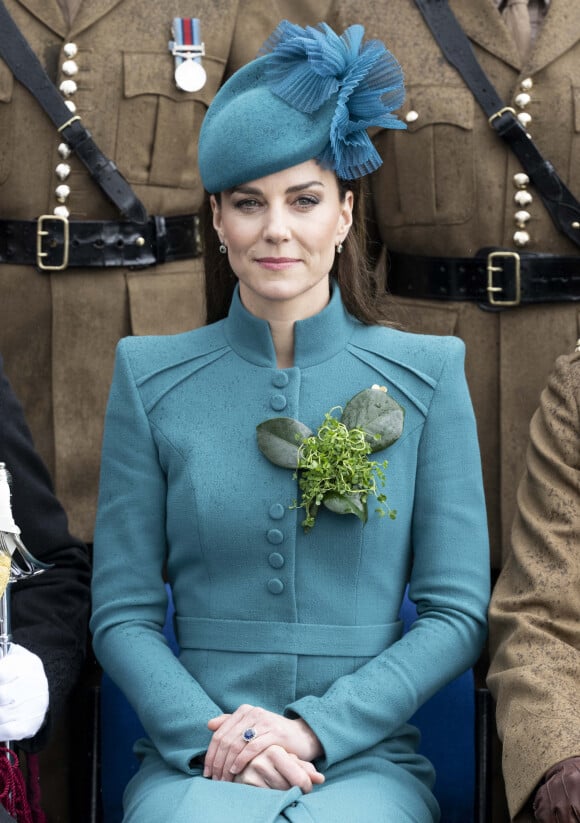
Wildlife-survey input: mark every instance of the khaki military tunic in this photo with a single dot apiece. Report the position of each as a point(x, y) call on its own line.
point(58, 330)
point(535, 609)
point(446, 188)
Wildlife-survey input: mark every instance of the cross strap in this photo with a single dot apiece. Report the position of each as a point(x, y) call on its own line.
point(26, 67)
point(563, 207)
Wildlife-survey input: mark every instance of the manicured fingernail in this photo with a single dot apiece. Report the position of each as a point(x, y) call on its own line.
point(206, 772)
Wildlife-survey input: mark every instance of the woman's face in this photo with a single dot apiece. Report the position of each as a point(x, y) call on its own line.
point(281, 232)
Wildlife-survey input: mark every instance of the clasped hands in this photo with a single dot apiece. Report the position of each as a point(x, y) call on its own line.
point(278, 753)
point(558, 798)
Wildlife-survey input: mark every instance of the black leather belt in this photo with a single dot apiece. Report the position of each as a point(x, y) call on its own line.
point(495, 278)
point(53, 243)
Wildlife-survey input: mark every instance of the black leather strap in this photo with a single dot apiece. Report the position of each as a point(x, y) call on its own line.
point(23, 62)
point(54, 244)
point(563, 207)
point(495, 278)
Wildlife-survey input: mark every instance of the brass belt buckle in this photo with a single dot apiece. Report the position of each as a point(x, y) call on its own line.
point(492, 289)
point(42, 232)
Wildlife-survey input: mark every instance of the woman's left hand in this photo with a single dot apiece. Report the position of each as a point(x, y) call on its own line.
point(233, 746)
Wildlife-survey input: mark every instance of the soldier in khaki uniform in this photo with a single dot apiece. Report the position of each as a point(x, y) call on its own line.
point(58, 329)
point(535, 614)
point(449, 187)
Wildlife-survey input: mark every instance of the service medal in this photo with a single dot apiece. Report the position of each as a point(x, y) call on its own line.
point(187, 49)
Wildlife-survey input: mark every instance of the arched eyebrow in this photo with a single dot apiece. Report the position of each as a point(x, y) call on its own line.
point(290, 190)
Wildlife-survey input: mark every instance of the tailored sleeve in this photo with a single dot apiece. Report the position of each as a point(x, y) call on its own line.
point(129, 597)
point(49, 613)
point(535, 613)
point(449, 583)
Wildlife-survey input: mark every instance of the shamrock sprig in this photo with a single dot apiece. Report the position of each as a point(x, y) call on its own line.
point(332, 466)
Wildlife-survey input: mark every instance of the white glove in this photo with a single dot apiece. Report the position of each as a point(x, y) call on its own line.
point(23, 694)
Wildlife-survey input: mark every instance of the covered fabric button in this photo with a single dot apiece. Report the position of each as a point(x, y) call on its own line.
point(276, 511)
point(275, 586)
point(276, 560)
point(275, 536)
point(278, 402)
point(280, 380)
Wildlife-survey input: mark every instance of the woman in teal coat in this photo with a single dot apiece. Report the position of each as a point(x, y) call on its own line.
point(293, 687)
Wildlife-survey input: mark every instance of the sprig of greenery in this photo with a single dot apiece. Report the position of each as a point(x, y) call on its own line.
point(332, 466)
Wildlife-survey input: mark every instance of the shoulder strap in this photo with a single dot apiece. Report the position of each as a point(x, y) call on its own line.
point(26, 67)
point(563, 207)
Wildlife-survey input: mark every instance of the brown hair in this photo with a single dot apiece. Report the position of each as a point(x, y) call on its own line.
point(362, 288)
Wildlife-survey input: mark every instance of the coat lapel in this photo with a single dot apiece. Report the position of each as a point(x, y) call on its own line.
point(482, 23)
point(560, 32)
point(91, 11)
point(50, 13)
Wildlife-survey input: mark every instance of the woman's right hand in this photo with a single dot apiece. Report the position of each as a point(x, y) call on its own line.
point(275, 768)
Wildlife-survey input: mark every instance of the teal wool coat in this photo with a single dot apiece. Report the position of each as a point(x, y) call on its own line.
point(301, 624)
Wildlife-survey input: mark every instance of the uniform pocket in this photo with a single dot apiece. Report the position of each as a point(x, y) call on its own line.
point(428, 176)
point(6, 138)
point(158, 123)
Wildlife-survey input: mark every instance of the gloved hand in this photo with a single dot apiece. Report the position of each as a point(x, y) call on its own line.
point(23, 694)
point(558, 798)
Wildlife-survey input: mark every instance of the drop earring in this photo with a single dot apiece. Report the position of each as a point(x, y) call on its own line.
point(339, 248)
point(223, 249)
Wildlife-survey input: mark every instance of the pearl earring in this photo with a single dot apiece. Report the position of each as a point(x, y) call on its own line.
point(223, 248)
point(339, 248)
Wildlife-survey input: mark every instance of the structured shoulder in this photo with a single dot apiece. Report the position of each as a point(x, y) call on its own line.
point(149, 355)
point(420, 353)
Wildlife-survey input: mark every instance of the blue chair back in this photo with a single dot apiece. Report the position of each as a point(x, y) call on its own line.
point(446, 722)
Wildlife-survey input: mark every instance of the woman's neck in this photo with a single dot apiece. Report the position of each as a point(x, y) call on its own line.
point(283, 338)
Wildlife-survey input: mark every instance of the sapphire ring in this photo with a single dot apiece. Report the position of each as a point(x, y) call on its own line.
point(248, 735)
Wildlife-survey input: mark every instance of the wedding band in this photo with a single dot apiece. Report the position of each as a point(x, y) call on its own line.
point(248, 735)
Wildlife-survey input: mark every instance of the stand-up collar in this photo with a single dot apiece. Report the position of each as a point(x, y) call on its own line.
point(316, 339)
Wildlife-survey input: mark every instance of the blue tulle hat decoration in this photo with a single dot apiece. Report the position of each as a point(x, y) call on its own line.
point(313, 94)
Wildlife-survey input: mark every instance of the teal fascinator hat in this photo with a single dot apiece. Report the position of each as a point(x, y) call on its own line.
point(311, 95)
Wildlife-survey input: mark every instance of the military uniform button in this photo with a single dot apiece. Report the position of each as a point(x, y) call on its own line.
point(276, 560)
point(275, 586)
point(70, 68)
point(274, 536)
point(68, 87)
point(276, 511)
point(70, 50)
point(525, 118)
point(64, 150)
point(527, 84)
point(140, 241)
point(70, 106)
point(412, 116)
point(522, 217)
point(521, 180)
point(62, 171)
point(278, 402)
point(523, 198)
point(523, 99)
point(61, 211)
point(521, 238)
point(280, 380)
point(62, 192)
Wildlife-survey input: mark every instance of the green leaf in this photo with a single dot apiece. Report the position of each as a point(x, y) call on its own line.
point(378, 415)
point(279, 439)
point(346, 504)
